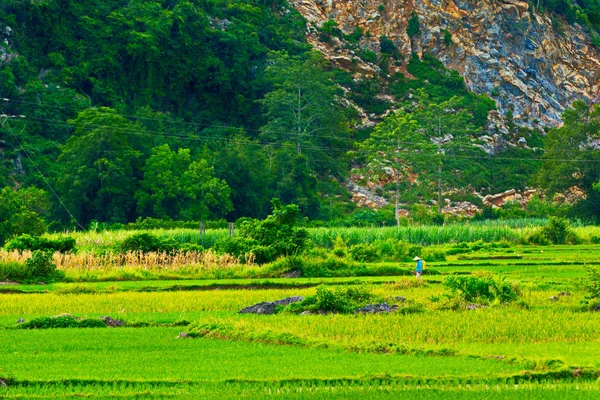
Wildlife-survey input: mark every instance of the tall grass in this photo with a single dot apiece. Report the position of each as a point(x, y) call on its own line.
point(421, 235)
point(487, 231)
point(156, 261)
point(105, 240)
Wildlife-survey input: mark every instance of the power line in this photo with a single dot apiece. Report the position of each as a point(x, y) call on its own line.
point(3, 119)
point(310, 146)
point(240, 129)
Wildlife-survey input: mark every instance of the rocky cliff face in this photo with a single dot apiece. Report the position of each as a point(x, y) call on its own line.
point(533, 67)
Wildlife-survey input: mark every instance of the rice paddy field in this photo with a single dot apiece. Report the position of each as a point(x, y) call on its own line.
point(544, 345)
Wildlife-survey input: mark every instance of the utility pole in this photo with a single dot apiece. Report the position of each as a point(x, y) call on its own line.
point(398, 188)
point(439, 143)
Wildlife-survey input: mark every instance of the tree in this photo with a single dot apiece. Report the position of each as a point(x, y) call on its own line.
point(296, 183)
point(413, 28)
point(450, 130)
point(243, 164)
point(420, 142)
point(100, 168)
point(176, 187)
point(16, 218)
point(277, 235)
point(391, 149)
point(302, 109)
point(572, 158)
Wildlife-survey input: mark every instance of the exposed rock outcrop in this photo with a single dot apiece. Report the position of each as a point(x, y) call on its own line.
point(376, 309)
point(532, 67)
point(461, 208)
point(364, 197)
point(498, 200)
point(268, 307)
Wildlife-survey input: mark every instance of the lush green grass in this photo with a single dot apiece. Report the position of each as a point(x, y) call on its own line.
point(436, 353)
point(314, 389)
point(192, 285)
point(156, 354)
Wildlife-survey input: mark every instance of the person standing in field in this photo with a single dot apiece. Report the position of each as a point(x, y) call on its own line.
point(419, 268)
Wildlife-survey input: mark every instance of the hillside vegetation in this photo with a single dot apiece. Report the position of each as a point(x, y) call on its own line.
point(193, 110)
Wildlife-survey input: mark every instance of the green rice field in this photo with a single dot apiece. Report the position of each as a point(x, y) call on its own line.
point(544, 345)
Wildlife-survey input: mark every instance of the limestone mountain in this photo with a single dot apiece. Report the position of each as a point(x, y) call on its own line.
point(533, 64)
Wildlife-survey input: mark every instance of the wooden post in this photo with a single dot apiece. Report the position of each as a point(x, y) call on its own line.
point(231, 231)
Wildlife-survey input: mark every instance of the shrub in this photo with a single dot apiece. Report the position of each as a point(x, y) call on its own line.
point(556, 230)
point(415, 250)
point(433, 255)
point(369, 56)
point(472, 288)
point(144, 242)
point(148, 243)
point(592, 284)
point(273, 237)
point(313, 268)
point(447, 37)
point(28, 242)
point(413, 28)
point(539, 238)
point(329, 267)
point(364, 252)
point(39, 267)
point(341, 300)
point(392, 249)
point(12, 271)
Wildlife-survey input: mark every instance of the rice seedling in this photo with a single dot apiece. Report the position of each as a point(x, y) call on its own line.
point(372, 388)
point(157, 354)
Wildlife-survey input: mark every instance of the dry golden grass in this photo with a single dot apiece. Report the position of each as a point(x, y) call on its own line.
point(132, 260)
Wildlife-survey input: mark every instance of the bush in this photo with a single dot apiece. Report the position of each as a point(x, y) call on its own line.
point(341, 300)
point(392, 249)
point(39, 267)
point(315, 268)
point(364, 252)
point(413, 28)
point(28, 242)
point(147, 243)
point(538, 238)
point(273, 237)
point(144, 242)
point(592, 284)
point(557, 230)
point(472, 288)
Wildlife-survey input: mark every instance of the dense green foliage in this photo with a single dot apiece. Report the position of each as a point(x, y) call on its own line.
point(146, 243)
point(592, 284)
point(204, 110)
point(162, 104)
point(265, 240)
point(472, 288)
point(583, 12)
point(28, 242)
point(17, 217)
point(342, 300)
point(571, 159)
point(39, 267)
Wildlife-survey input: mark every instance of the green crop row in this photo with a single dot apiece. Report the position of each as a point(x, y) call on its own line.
point(373, 388)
